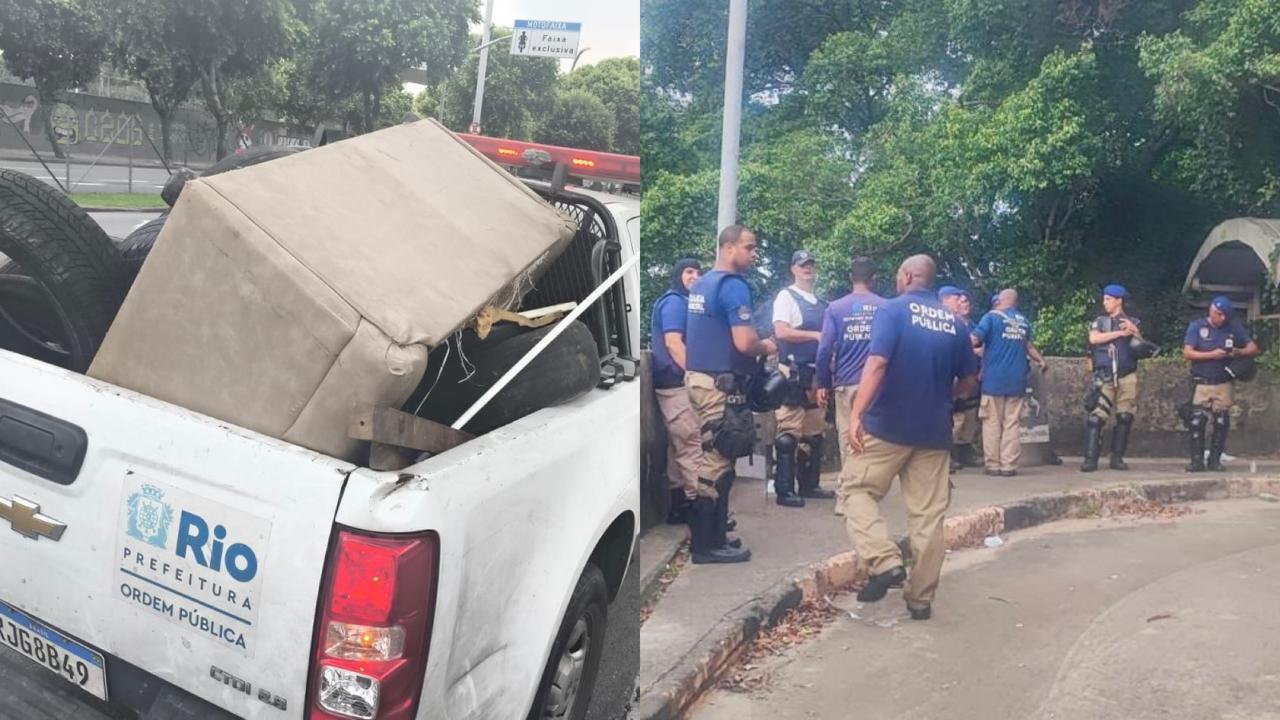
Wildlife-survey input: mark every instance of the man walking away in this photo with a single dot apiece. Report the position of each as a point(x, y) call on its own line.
point(1005, 334)
point(843, 350)
point(1211, 344)
point(797, 447)
point(684, 439)
point(722, 347)
point(900, 425)
point(964, 415)
point(1115, 379)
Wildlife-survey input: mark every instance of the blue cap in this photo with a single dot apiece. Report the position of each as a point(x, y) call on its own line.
point(949, 291)
point(1116, 291)
point(1223, 303)
point(802, 257)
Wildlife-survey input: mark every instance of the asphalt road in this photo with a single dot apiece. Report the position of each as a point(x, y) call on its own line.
point(1084, 619)
point(99, 178)
point(620, 668)
point(120, 224)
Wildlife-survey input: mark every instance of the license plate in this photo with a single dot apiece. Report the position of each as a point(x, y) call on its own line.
point(53, 651)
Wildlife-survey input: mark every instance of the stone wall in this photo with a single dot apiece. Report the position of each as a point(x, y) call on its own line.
point(1163, 384)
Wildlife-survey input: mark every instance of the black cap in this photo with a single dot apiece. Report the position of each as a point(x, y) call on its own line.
point(802, 257)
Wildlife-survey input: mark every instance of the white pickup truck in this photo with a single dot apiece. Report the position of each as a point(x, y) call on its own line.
point(173, 565)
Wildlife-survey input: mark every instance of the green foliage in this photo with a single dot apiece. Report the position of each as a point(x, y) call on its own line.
point(1052, 147)
point(578, 119)
point(518, 92)
point(357, 48)
point(616, 83)
point(58, 44)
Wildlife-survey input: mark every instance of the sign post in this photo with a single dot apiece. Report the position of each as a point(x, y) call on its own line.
point(546, 38)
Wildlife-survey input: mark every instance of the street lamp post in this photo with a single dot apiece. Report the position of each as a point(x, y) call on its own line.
point(484, 61)
point(727, 208)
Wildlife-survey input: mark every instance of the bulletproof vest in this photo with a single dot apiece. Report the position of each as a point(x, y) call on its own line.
point(1126, 362)
point(708, 338)
point(811, 319)
point(666, 374)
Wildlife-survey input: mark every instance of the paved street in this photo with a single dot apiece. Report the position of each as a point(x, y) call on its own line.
point(120, 224)
point(616, 684)
point(1077, 620)
point(101, 178)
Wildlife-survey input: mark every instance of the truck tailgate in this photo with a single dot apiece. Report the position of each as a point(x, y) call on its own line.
point(191, 549)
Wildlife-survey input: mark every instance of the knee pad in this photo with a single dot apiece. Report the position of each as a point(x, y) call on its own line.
point(1199, 418)
point(1095, 422)
point(786, 443)
point(1125, 418)
point(1222, 420)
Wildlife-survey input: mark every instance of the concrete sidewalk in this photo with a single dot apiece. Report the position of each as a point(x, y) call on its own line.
point(710, 611)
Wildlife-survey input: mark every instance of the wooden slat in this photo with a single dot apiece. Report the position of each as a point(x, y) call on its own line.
point(400, 429)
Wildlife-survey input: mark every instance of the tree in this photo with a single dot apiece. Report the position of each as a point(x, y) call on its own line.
point(58, 44)
point(232, 44)
point(357, 48)
point(616, 82)
point(518, 92)
point(578, 120)
point(148, 43)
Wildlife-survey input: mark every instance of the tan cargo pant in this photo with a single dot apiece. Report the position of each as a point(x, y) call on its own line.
point(1001, 431)
point(708, 403)
point(684, 440)
point(844, 406)
point(865, 481)
point(798, 420)
point(1119, 398)
point(964, 427)
point(1214, 398)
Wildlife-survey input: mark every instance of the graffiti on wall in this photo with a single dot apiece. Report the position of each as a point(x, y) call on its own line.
point(95, 125)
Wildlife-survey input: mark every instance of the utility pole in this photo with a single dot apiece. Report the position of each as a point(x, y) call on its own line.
point(727, 209)
point(484, 61)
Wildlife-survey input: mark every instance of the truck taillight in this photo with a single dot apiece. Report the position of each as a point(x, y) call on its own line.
point(374, 627)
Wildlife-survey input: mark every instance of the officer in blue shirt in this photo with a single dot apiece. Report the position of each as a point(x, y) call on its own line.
point(722, 348)
point(684, 440)
point(843, 348)
point(921, 359)
point(1211, 344)
point(1006, 336)
point(1114, 339)
point(964, 414)
point(797, 445)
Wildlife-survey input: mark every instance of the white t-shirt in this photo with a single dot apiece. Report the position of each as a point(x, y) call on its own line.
point(787, 310)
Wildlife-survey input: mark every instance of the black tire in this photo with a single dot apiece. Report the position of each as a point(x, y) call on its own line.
point(567, 368)
point(54, 242)
point(590, 606)
point(135, 248)
point(173, 186)
point(249, 156)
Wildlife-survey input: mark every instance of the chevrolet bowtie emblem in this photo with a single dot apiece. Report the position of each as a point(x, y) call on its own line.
point(26, 519)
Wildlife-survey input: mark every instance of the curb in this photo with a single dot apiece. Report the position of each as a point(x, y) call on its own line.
point(683, 685)
point(650, 583)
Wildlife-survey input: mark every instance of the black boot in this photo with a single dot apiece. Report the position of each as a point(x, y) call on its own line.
point(678, 507)
point(1195, 441)
point(970, 457)
point(1092, 443)
point(811, 471)
point(724, 487)
point(1218, 443)
point(878, 585)
point(703, 547)
point(784, 475)
point(1120, 440)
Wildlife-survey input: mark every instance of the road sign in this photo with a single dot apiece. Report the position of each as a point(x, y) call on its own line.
point(546, 38)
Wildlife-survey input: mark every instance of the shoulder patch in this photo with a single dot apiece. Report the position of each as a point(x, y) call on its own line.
point(744, 312)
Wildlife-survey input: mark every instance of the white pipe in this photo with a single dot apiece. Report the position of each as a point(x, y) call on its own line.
point(544, 342)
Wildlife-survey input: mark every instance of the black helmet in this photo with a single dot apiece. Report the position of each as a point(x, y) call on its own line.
point(1143, 349)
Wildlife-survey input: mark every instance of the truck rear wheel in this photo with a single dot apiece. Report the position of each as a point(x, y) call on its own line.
point(570, 676)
